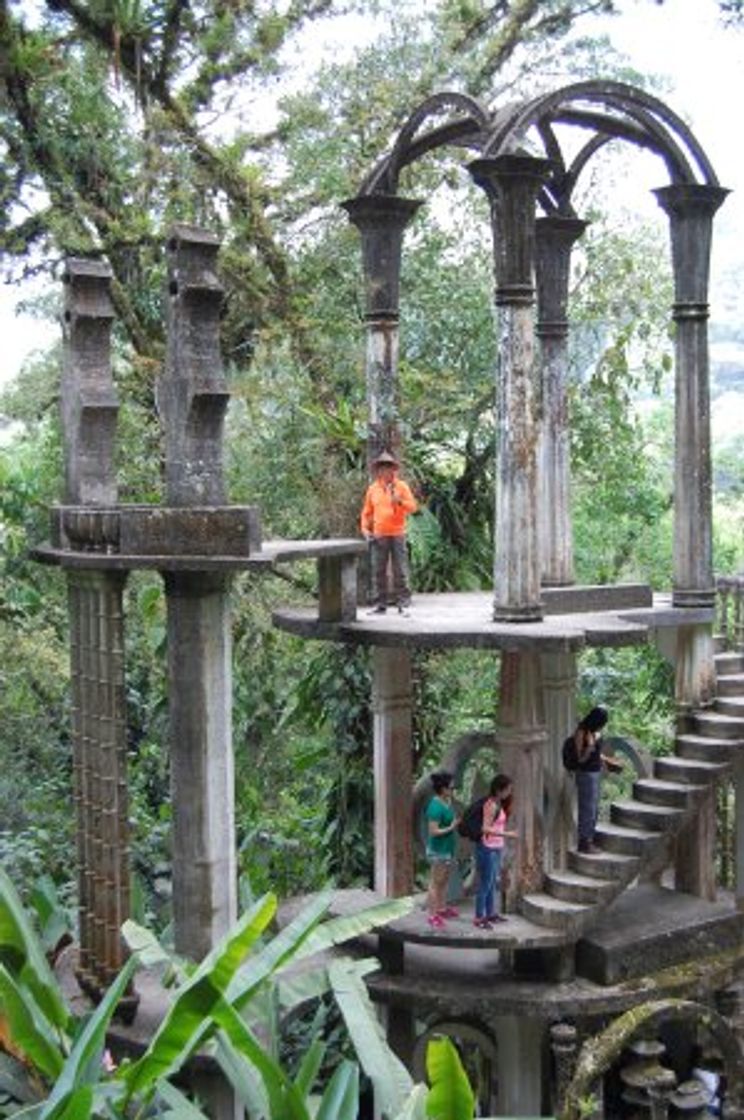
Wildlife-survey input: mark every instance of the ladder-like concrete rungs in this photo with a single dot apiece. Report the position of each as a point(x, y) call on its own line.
point(706, 747)
point(660, 791)
point(628, 841)
point(696, 771)
point(636, 814)
point(609, 865)
point(729, 662)
point(545, 910)
point(720, 726)
point(583, 889)
point(730, 684)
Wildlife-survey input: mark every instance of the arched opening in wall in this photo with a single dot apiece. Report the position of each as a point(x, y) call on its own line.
point(478, 1054)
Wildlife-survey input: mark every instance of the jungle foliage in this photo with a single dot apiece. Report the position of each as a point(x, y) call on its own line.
point(119, 118)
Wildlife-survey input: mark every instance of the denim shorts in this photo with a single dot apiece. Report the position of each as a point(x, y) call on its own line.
point(434, 857)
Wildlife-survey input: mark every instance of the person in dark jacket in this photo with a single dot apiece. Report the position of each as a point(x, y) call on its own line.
point(587, 741)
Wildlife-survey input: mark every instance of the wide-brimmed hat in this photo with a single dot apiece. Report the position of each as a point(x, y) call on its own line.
point(385, 459)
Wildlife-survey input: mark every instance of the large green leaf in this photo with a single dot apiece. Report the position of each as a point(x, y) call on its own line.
point(29, 1030)
point(189, 1021)
point(285, 1100)
point(244, 1078)
point(24, 957)
point(415, 1105)
point(179, 1106)
point(309, 1066)
point(335, 931)
point(340, 1101)
point(450, 1096)
point(77, 1104)
point(83, 1066)
point(392, 1081)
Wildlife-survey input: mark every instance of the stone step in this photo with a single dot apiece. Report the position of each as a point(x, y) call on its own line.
point(627, 841)
point(653, 818)
point(608, 865)
point(584, 889)
point(545, 910)
point(675, 795)
point(732, 684)
point(730, 706)
point(729, 662)
point(696, 771)
point(719, 643)
point(706, 747)
point(718, 726)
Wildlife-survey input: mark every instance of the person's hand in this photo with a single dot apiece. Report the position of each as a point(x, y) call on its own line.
point(367, 534)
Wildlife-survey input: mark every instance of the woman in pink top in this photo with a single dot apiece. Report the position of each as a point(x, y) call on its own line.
point(489, 850)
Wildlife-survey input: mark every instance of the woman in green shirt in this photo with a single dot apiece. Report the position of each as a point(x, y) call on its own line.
point(440, 847)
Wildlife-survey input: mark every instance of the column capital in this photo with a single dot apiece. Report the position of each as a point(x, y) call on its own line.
point(555, 237)
point(381, 220)
point(691, 199)
point(512, 184)
point(690, 207)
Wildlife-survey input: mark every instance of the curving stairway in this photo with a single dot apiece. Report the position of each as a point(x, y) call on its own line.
point(638, 838)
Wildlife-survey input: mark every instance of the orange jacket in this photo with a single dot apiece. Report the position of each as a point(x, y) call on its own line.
point(386, 508)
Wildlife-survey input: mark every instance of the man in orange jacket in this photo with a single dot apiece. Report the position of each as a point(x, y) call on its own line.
point(387, 503)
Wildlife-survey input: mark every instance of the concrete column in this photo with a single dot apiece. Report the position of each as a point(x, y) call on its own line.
point(738, 779)
point(520, 1065)
point(695, 669)
point(393, 765)
point(202, 779)
point(559, 676)
point(691, 208)
point(555, 238)
point(511, 183)
point(522, 739)
point(381, 221)
point(695, 852)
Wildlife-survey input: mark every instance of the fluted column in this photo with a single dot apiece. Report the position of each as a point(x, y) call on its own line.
point(556, 237)
point(512, 184)
point(690, 208)
point(559, 676)
point(381, 221)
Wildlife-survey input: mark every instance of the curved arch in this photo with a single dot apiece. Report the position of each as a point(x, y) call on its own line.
point(598, 1054)
point(626, 99)
point(385, 176)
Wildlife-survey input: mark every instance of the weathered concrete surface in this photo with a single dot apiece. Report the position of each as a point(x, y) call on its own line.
point(393, 764)
point(463, 619)
point(651, 928)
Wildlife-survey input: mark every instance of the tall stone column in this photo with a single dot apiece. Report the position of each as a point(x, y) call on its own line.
point(738, 779)
point(512, 183)
point(381, 221)
point(695, 668)
point(690, 208)
point(393, 765)
point(556, 237)
point(522, 741)
point(521, 1051)
point(192, 398)
point(559, 676)
point(89, 410)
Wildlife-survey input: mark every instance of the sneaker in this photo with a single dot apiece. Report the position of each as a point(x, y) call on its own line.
point(403, 611)
point(497, 918)
point(449, 912)
point(586, 848)
point(379, 609)
point(482, 923)
point(436, 921)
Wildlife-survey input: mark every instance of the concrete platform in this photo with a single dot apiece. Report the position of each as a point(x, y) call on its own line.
point(463, 619)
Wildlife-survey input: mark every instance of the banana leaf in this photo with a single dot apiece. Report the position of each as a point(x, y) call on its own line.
point(450, 1096)
point(415, 1105)
point(392, 1081)
point(23, 956)
point(29, 1031)
point(151, 953)
point(285, 1099)
point(188, 1020)
point(179, 1105)
point(244, 1078)
point(17, 1081)
point(77, 1104)
point(83, 1066)
point(341, 1098)
point(309, 1066)
point(335, 931)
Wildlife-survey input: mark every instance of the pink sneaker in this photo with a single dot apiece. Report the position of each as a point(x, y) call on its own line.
point(449, 912)
point(436, 921)
point(482, 923)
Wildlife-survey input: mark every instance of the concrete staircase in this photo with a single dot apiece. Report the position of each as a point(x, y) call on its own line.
point(639, 836)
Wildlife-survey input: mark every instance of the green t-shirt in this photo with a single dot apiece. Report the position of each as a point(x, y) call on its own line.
point(443, 815)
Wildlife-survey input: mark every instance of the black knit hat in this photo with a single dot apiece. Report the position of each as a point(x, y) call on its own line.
point(595, 719)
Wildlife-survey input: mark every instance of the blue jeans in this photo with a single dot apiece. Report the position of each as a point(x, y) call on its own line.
point(587, 793)
point(488, 864)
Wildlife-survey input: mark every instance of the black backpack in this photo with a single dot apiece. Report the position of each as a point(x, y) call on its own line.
point(471, 825)
point(570, 754)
